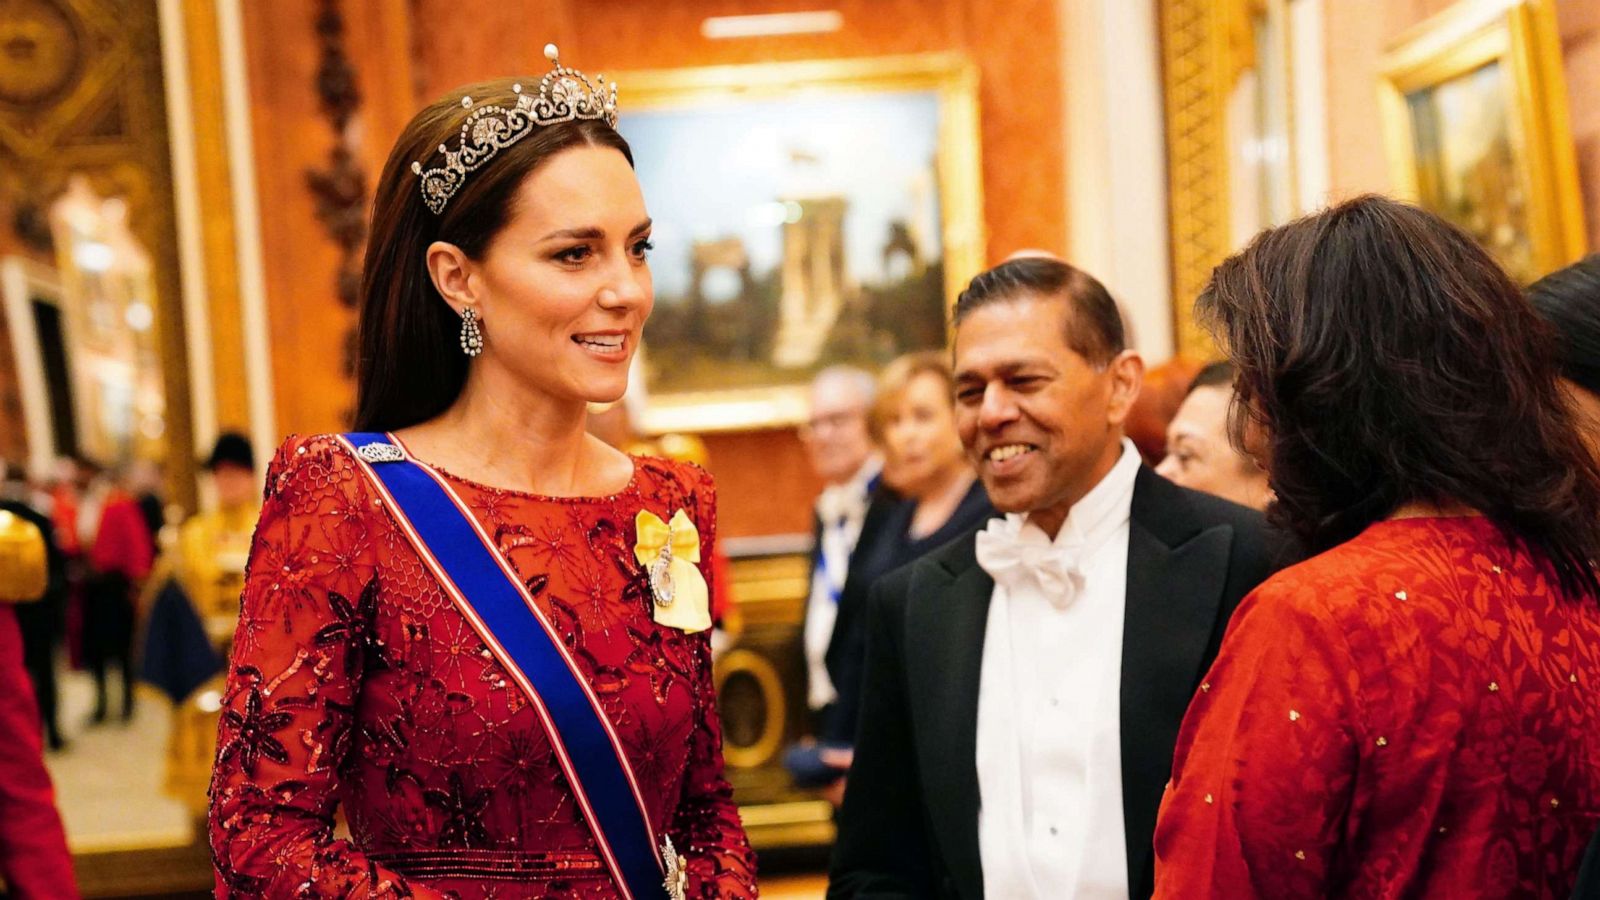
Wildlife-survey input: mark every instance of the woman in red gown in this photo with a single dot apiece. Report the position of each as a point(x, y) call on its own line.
point(1415, 712)
point(500, 298)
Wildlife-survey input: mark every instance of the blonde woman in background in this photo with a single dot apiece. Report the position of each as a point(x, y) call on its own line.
point(933, 497)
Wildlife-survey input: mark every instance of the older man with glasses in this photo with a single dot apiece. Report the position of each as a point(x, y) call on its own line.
point(844, 456)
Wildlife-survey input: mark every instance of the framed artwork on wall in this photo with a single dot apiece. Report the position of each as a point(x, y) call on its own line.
point(806, 215)
point(1475, 114)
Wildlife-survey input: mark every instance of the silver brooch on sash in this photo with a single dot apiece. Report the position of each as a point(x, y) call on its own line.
point(661, 576)
point(677, 882)
point(376, 452)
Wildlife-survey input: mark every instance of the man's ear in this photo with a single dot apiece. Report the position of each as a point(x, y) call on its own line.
point(1126, 371)
point(454, 275)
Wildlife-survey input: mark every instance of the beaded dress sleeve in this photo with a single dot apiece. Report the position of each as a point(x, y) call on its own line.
point(1410, 714)
point(303, 641)
point(706, 826)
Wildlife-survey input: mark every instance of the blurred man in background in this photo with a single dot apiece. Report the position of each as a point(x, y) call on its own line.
point(119, 554)
point(842, 453)
point(194, 610)
point(43, 621)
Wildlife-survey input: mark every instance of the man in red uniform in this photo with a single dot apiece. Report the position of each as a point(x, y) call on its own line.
point(120, 554)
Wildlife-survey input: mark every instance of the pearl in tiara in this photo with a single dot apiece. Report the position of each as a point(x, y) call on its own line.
point(564, 95)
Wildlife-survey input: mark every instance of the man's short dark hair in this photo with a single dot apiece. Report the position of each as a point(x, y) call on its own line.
point(1217, 374)
point(1094, 324)
point(231, 449)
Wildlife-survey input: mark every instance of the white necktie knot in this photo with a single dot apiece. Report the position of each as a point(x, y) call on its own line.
point(1013, 560)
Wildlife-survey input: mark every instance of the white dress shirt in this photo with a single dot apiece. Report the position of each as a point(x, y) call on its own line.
point(841, 509)
point(1049, 747)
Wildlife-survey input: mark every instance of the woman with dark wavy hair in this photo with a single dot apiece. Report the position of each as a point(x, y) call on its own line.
point(1413, 711)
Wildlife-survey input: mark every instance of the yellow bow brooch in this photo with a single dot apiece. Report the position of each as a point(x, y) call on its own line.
point(669, 551)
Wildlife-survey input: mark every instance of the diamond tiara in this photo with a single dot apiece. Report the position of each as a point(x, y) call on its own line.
point(564, 95)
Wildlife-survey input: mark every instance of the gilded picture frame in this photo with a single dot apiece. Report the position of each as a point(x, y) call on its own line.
point(800, 135)
point(1474, 111)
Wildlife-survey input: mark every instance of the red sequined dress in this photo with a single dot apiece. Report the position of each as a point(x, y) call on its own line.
point(1415, 713)
point(356, 685)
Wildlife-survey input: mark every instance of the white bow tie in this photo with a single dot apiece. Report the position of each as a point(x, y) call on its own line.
point(839, 504)
point(1014, 561)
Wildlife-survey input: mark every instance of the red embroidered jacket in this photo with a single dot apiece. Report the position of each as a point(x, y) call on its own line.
point(355, 683)
point(1415, 713)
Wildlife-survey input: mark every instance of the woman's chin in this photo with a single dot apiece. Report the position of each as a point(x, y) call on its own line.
point(605, 391)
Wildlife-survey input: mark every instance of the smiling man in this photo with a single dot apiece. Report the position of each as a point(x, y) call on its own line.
point(1025, 683)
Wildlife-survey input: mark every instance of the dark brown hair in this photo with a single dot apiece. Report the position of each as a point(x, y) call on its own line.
point(1569, 299)
point(1094, 324)
point(410, 367)
point(1389, 361)
point(1217, 374)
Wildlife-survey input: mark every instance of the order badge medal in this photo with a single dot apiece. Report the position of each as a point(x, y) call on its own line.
point(677, 881)
point(670, 552)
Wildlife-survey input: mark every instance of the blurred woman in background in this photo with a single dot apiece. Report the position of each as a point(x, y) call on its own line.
point(933, 497)
point(1200, 454)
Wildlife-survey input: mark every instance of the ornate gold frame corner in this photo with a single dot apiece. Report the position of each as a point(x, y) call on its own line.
point(1523, 36)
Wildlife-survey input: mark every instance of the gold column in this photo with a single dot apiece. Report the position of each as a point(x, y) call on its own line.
point(225, 318)
point(1198, 67)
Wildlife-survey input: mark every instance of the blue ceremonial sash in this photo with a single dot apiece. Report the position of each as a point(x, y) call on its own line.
point(487, 591)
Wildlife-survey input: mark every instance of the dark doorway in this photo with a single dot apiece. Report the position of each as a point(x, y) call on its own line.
point(57, 377)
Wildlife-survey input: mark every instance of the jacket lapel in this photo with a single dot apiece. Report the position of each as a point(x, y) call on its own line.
point(946, 618)
point(1177, 569)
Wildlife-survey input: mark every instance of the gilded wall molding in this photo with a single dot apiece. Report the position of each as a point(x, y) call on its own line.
point(1198, 66)
point(81, 92)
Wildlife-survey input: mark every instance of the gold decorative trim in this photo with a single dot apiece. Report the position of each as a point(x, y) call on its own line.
point(247, 220)
point(799, 823)
point(163, 865)
point(1523, 36)
point(1197, 71)
point(748, 662)
point(188, 217)
point(223, 317)
point(105, 120)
